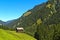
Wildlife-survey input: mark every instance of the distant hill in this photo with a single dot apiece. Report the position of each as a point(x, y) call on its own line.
point(2, 22)
point(9, 21)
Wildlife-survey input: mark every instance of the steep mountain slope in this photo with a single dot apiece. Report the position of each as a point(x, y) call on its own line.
point(12, 35)
point(29, 18)
point(40, 19)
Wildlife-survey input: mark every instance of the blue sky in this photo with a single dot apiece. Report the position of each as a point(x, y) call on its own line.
point(12, 9)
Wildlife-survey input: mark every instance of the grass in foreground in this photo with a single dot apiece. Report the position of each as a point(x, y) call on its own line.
point(12, 35)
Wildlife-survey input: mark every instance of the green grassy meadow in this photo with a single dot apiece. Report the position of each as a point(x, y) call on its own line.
point(12, 35)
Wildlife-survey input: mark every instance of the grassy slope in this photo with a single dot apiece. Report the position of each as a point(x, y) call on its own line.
point(11, 35)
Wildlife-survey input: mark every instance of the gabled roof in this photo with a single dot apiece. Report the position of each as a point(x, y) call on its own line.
point(20, 28)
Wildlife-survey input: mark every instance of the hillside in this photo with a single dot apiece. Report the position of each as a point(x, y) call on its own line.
point(43, 19)
point(29, 18)
point(45, 13)
point(12, 35)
